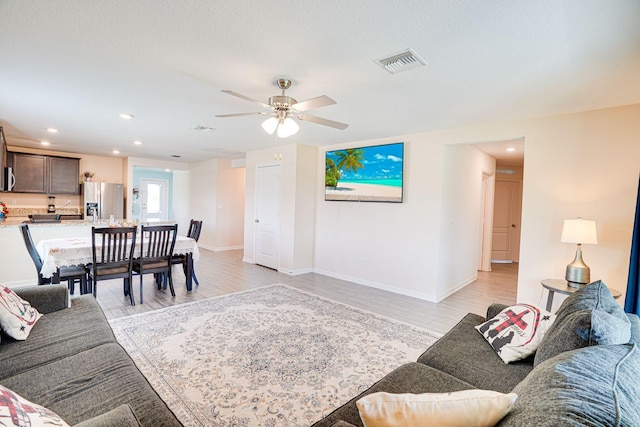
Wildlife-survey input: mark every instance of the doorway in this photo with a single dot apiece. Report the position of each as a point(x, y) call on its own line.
point(267, 216)
point(506, 220)
point(155, 200)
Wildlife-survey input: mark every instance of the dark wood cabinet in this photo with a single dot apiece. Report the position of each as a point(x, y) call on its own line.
point(30, 171)
point(35, 173)
point(64, 175)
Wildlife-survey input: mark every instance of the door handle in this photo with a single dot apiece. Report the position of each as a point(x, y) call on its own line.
point(513, 226)
point(257, 221)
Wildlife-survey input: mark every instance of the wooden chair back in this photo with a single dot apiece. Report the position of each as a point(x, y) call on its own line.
point(195, 226)
point(112, 251)
point(156, 247)
point(33, 253)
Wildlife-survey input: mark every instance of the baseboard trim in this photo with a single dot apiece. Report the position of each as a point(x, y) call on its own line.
point(220, 248)
point(457, 287)
point(19, 283)
point(377, 285)
point(295, 272)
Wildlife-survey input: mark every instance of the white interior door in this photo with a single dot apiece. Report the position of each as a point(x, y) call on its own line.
point(506, 220)
point(155, 200)
point(267, 216)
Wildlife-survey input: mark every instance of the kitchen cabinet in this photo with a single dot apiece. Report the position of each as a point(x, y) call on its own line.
point(64, 173)
point(35, 173)
point(30, 171)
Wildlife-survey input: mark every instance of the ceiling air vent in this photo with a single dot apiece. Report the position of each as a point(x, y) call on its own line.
point(201, 128)
point(401, 61)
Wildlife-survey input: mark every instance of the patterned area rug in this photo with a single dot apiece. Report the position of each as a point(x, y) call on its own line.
point(273, 356)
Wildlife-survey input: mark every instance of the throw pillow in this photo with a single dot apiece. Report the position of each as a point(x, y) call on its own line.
point(516, 332)
point(595, 386)
point(17, 317)
point(590, 316)
point(461, 408)
point(18, 411)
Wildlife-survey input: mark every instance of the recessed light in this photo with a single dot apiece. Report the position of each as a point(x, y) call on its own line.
point(116, 151)
point(45, 142)
point(510, 149)
point(137, 142)
point(52, 130)
point(126, 116)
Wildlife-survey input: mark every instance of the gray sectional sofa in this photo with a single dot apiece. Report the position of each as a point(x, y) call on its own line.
point(72, 365)
point(585, 372)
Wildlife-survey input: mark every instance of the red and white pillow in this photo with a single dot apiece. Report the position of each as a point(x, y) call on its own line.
point(516, 332)
point(17, 411)
point(17, 317)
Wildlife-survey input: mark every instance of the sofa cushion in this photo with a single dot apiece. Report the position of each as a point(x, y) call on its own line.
point(122, 416)
point(56, 336)
point(91, 383)
point(409, 378)
point(594, 386)
point(46, 299)
point(516, 331)
point(480, 408)
point(465, 354)
point(17, 317)
point(587, 317)
point(15, 410)
point(634, 320)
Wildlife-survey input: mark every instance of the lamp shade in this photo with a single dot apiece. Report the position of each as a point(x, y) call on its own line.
point(579, 230)
point(270, 125)
point(287, 128)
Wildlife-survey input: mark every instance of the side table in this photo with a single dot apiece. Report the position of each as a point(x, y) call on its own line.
point(561, 286)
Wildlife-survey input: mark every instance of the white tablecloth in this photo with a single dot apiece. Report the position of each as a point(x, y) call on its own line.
point(56, 253)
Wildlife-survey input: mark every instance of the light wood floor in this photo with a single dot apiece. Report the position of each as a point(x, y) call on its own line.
point(221, 273)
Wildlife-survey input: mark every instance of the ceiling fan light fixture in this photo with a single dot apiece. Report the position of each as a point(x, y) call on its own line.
point(287, 128)
point(270, 125)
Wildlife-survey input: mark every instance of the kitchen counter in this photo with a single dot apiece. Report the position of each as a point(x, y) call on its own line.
point(16, 221)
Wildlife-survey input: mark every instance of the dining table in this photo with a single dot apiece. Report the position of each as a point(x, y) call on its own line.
point(56, 253)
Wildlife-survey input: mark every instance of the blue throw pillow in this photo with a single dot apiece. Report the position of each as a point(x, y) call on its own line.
point(590, 316)
point(593, 386)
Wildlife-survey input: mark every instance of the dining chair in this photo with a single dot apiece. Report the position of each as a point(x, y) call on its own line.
point(156, 249)
point(71, 274)
point(112, 251)
point(195, 226)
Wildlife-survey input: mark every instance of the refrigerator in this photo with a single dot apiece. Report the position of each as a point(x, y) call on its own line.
point(103, 197)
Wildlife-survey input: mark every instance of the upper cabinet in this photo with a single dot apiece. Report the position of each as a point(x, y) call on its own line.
point(64, 173)
point(36, 173)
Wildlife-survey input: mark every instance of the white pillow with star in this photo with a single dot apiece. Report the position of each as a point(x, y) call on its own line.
point(17, 317)
point(516, 332)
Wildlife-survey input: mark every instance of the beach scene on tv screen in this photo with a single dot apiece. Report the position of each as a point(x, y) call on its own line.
point(365, 174)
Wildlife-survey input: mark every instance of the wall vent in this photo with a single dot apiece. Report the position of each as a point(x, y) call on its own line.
point(505, 171)
point(401, 61)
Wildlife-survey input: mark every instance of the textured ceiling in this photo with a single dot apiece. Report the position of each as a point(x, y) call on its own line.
point(75, 65)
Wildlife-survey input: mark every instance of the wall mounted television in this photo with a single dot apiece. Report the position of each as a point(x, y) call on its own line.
point(365, 174)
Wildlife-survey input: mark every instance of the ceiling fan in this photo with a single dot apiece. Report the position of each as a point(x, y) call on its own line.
point(284, 109)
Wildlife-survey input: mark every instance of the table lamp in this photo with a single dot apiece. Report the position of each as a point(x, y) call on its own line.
point(578, 231)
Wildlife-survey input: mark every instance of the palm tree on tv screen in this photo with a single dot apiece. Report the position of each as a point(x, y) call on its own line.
point(349, 160)
point(331, 173)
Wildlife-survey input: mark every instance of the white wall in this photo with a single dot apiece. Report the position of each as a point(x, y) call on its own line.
point(392, 246)
point(229, 226)
point(583, 164)
point(462, 205)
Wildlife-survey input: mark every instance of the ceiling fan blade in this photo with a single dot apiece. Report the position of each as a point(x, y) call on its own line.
point(313, 103)
point(246, 98)
point(321, 121)
point(241, 114)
